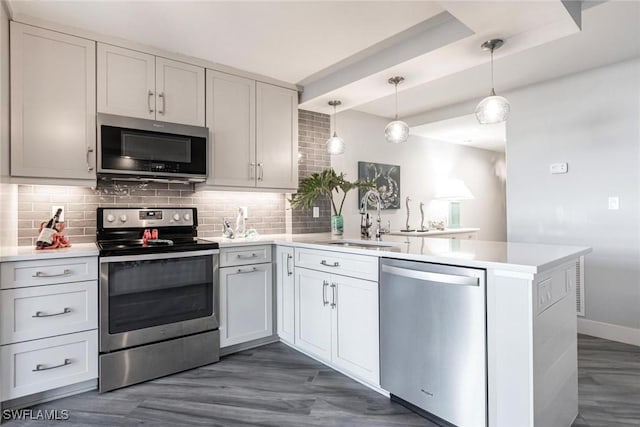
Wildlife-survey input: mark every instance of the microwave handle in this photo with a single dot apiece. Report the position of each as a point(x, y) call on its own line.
point(149, 98)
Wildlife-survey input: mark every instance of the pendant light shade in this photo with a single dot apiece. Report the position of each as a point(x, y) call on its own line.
point(397, 131)
point(335, 144)
point(492, 109)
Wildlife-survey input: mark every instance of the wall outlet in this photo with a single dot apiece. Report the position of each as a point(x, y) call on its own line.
point(245, 212)
point(54, 209)
point(558, 168)
point(614, 203)
point(316, 212)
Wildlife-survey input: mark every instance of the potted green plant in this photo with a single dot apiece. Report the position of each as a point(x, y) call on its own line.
point(327, 184)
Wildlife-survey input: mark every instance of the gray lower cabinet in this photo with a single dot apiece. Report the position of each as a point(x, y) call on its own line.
point(246, 299)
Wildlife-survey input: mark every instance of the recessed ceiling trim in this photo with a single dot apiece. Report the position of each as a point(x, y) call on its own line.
point(431, 34)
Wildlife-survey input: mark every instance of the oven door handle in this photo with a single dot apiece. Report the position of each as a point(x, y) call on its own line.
point(157, 256)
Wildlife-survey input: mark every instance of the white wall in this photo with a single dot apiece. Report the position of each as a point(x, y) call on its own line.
point(592, 121)
point(423, 165)
point(8, 192)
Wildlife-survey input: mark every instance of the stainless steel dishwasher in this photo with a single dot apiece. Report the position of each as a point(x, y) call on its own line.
point(433, 340)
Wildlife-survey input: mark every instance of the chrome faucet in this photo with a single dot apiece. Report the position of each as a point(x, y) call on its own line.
point(365, 223)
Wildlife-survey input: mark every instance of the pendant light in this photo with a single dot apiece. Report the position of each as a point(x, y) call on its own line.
point(397, 131)
point(335, 144)
point(494, 108)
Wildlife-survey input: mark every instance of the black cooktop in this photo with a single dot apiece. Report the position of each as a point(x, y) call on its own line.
point(137, 247)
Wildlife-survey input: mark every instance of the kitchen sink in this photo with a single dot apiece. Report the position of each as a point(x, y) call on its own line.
point(362, 244)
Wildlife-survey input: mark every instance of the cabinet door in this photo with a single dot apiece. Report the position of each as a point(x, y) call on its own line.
point(53, 87)
point(246, 304)
point(355, 345)
point(126, 82)
point(277, 137)
point(179, 92)
point(285, 294)
point(313, 313)
point(231, 119)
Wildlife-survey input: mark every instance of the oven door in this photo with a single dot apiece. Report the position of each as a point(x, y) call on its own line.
point(154, 297)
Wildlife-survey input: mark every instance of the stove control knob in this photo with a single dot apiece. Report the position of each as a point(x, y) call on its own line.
point(123, 218)
point(187, 217)
point(110, 218)
point(176, 217)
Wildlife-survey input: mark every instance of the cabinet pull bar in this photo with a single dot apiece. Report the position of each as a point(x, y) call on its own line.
point(66, 272)
point(164, 100)
point(149, 96)
point(40, 367)
point(42, 314)
point(252, 170)
point(89, 151)
point(260, 171)
point(324, 293)
point(333, 295)
point(325, 263)
point(289, 271)
point(241, 271)
point(253, 255)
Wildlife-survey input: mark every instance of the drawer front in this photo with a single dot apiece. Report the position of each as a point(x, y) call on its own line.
point(46, 311)
point(36, 366)
point(245, 255)
point(20, 274)
point(360, 266)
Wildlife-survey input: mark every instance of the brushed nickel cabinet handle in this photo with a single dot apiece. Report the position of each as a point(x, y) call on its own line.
point(89, 151)
point(149, 97)
point(260, 171)
point(252, 167)
point(253, 255)
point(41, 367)
point(289, 271)
point(241, 271)
point(42, 314)
point(66, 272)
point(164, 102)
point(324, 293)
point(333, 295)
point(325, 263)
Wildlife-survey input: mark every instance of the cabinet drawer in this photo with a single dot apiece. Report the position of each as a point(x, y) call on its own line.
point(45, 364)
point(46, 311)
point(245, 255)
point(360, 266)
point(46, 272)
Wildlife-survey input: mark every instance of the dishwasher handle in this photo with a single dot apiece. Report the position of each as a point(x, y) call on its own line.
point(450, 279)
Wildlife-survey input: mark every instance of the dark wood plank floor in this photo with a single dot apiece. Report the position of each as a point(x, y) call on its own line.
point(277, 386)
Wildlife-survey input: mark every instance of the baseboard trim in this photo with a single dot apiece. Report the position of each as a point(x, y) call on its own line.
point(609, 331)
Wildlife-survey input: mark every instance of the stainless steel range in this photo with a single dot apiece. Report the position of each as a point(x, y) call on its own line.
point(158, 294)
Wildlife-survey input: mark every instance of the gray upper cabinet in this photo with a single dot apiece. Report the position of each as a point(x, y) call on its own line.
point(231, 119)
point(136, 84)
point(254, 133)
point(53, 104)
point(277, 137)
point(126, 82)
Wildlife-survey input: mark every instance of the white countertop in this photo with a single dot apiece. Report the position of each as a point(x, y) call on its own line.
point(522, 257)
point(25, 253)
point(434, 232)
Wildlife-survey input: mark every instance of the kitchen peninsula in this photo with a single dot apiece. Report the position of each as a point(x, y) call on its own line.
point(531, 337)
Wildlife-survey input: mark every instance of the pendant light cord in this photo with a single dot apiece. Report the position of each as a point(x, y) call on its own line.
point(493, 90)
point(396, 84)
point(335, 122)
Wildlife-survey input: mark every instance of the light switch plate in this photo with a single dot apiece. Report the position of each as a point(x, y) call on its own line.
point(559, 168)
point(316, 212)
point(54, 209)
point(614, 203)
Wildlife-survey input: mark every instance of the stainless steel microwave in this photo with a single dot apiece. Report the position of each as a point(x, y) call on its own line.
point(133, 148)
